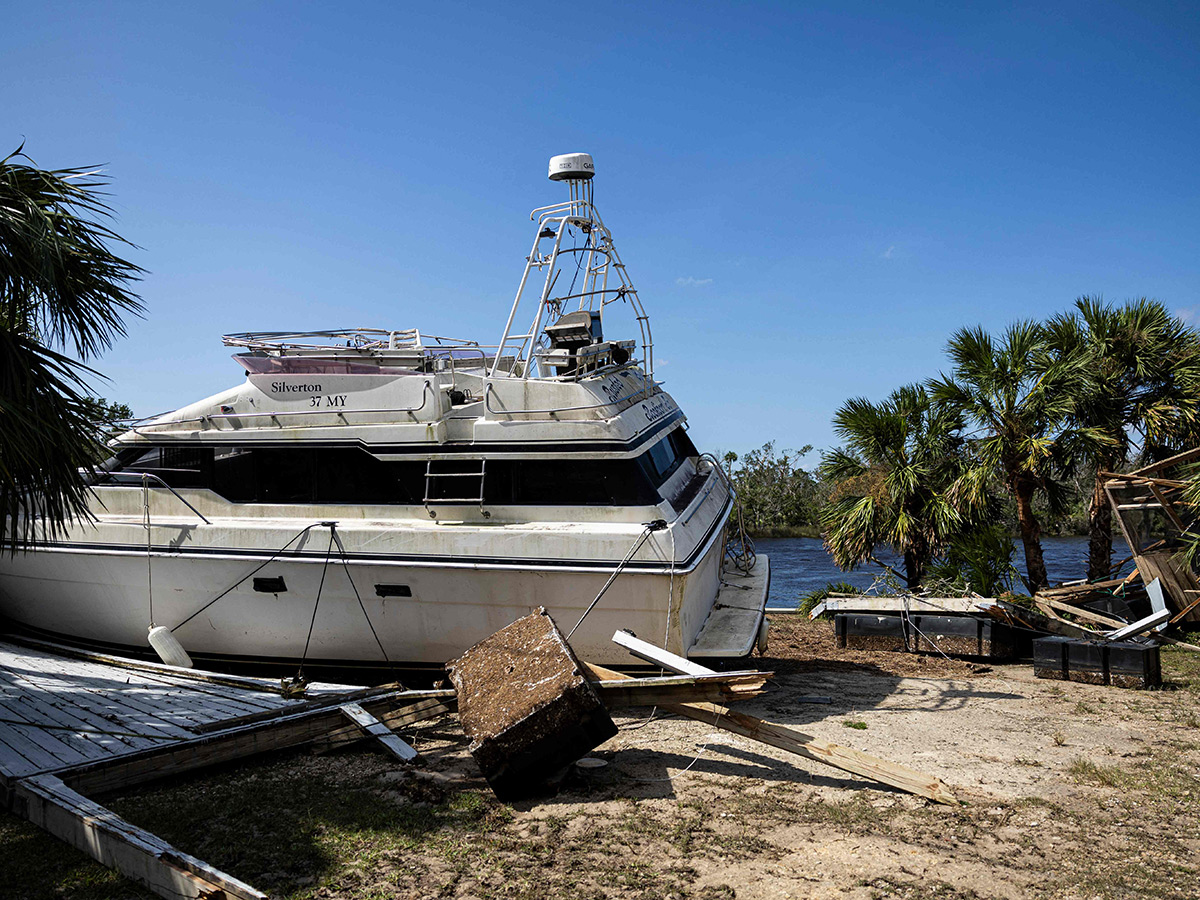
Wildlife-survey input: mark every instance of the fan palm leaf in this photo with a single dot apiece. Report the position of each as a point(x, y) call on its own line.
point(61, 286)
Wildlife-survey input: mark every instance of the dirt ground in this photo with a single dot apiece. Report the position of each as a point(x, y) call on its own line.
point(1070, 791)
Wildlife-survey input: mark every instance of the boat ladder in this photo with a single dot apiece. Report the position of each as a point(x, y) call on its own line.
point(438, 492)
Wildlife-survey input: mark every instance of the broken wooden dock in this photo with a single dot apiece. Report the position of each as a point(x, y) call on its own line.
point(73, 721)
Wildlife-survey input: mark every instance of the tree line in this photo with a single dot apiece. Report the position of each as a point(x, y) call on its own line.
point(1017, 432)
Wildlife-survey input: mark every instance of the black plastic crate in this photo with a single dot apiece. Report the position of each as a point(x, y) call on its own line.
point(1087, 661)
point(962, 636)
point(1134, 665)
point(1050, 657)
point(1122, 663)
point(865, 632)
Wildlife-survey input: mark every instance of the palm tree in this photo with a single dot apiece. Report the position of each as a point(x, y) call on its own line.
point(1019, 400)
point(894, 483)
point(1141, 391)
point(63, 294)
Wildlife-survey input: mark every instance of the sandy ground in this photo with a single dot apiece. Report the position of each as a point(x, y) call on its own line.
point(1070, 791)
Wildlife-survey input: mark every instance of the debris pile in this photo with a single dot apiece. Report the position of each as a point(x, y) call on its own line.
point(1101, 632)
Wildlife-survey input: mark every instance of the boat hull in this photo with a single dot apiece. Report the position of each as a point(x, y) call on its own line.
point(101, 595)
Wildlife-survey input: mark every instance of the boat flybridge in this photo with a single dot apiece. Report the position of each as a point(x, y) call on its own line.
point(367, 497)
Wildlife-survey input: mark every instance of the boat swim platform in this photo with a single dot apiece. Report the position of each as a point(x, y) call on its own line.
point(75, 723)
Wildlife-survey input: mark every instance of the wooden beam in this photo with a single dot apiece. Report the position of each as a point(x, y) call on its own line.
point(376, 729)
point(805, 745)
point(1177, 459)
point(1168, 508)
point(1089, 615)
point(149, 860)
point(1084, 588)
point(717, 686)
point(1012, 614)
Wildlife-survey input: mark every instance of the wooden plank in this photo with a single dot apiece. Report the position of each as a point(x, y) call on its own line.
point(1177, 459)
point(14, 712)
point(97, 705)
point(1168, 508)
point(394, 690)
point(718, 687)
point(885, 605)
point(1087, 614)
point(1068, 589)
point(48, 803)
point(209, 749)
point(1187, 609)
point(376, 729)
point(807, 746)
point(649, 652)
point(1012, 614)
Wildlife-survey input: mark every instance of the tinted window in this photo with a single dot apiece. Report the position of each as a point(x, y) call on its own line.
point(351, 476)
point(661, 460)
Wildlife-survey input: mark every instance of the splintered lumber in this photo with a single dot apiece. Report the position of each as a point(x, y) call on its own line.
point(1087, 587)
point(526, 706)
point(721, 687)
point(805, 745)
point(386, 690)
point(421, 711)
point(1057, 606)
point(789, 739)
point(1037, 621)
point(376, 729)
point(48, 803)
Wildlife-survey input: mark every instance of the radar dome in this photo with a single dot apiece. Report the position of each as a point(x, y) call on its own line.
point(572, 167)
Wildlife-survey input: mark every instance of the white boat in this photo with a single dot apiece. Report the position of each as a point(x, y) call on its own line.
point(371, 496)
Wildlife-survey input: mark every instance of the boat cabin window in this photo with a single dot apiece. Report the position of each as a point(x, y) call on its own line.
point(660, 461)
point(352, 476)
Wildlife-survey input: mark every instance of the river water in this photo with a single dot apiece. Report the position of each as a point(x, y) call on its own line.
point(801, 565)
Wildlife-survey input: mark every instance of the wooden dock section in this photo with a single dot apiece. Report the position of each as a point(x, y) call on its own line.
point(73, 721)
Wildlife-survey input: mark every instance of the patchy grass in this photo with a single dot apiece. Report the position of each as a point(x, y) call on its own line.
point(1082, 769)
point(861, 726)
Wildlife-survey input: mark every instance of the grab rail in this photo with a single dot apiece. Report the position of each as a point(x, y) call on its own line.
point(518, 412)
point(146, 476)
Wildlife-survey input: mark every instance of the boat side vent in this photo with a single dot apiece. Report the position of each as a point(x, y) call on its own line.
point(393, 590)
point(273, 585)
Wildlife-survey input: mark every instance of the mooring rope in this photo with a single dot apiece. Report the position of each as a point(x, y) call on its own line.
point(346, 565)
point(316, 604)
point(650, 528)
point(146, 522)
point(242, 580)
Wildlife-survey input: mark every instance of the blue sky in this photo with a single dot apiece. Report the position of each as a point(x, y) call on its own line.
point(809, 197)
